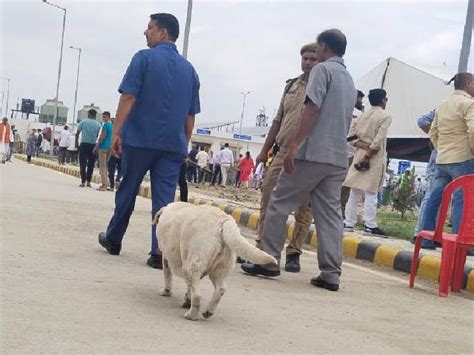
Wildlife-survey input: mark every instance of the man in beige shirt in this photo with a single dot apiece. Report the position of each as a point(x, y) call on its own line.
point(281, 134)
point(452, 134)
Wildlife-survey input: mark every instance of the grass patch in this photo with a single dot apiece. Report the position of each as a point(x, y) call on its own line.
point(392, 224)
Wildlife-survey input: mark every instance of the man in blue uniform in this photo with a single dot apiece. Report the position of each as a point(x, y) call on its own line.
point(153, 125)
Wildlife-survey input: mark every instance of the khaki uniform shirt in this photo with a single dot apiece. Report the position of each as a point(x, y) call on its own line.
point(371, 127)
point(290, 111)
point(452, 130)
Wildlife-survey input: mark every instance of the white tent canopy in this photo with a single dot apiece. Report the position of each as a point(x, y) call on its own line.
point(412, 91)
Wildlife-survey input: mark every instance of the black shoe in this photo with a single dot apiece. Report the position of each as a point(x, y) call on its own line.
point(155, 261)
point(319, 282)
point(112, 248)
point(374, 231)
point(293, 263)
point(255, 269)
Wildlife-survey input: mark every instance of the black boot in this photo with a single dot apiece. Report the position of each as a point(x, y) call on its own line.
point(293, 263)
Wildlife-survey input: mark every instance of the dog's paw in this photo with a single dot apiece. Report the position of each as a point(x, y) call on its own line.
point(187, 303)
point(190, 316)
point(207, 314)
point(165, 293)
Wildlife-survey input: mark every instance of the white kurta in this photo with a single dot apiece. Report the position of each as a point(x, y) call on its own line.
point(371, 127)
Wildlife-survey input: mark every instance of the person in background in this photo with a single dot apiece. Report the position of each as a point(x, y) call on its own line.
point(71, 154)
point(64, 142)
point(246, 167)
point(452, 134)
point(424, 123)
point(238, 180)
point(226, 160)
point(202, 159)
point(31, 145)
point(356, 113)
point(103, 148)
point(5, 136)
point(367, 172)
point(11, 146)
point(217, 174)
point(212, 163)
point(39, 143)
point(192, 168)
point(88, 129)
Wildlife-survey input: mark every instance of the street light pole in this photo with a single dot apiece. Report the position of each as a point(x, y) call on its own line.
point(56, 99)
point(8, 93)
point(244, 94)
point(77, 86)
point(467, 38)
point(187, 29)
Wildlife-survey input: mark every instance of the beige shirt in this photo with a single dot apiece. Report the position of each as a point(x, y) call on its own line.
point(452, 131)
point(290, 111)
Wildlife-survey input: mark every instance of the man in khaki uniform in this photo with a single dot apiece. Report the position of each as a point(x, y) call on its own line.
point(282, 132)
point(371, 130)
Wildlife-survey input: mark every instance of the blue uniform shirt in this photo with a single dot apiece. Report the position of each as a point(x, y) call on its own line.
point(166, 90)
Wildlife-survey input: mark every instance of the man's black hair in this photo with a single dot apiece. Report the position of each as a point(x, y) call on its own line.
point(360, 94)
point(106, 113)
point(226, 145)
point(376, 96)
point(460, 80)
point(92, 113)
point(334, 39)
point(168, 22)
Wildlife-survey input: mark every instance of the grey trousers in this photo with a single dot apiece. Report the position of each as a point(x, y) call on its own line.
point(322, 183)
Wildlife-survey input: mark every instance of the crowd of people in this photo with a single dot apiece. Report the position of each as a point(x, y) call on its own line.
point(324, 154)
point(222, 169)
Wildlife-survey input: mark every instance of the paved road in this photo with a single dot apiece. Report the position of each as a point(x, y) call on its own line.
point(62, 293)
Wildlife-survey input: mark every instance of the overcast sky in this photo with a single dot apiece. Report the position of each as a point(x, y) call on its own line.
point(234, 46)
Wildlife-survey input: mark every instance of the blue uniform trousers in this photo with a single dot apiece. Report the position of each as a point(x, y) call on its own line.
point(164, 172)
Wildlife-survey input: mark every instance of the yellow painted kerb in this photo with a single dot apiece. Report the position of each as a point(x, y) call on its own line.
point(350, 245)
point(470, 282)
point(236, 214)
point(385, 255)
point(429, 267)
point(253, 220)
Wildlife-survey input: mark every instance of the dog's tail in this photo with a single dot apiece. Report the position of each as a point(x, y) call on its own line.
point(157, 215)
point(240, 245)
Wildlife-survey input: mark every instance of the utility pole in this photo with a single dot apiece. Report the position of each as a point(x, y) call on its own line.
point(244, 94)
point(55, 117)
point(77, 86)
point(467, 38)
point(187, 29)
point(8, 94)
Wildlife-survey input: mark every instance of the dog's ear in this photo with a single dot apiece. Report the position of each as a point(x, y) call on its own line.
point(157, 216)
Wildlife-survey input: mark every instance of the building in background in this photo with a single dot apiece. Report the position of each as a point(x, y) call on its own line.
point(82, 113)
point(46, 113)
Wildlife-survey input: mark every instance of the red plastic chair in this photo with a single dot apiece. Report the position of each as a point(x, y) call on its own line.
point(455, 246)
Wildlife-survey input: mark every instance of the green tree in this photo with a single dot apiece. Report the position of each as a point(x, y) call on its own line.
point(404, 196)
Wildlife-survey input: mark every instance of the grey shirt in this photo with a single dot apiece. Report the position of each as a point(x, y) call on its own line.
point(331, 88)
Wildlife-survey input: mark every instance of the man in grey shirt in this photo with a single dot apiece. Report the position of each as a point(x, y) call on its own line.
point(316, 164)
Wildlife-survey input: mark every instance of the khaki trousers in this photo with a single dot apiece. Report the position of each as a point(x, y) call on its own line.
point(103, 158)
point(303, 215)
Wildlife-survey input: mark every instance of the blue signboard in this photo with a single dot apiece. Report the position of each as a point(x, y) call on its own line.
point(242, 137)
point(403, 165)
point(206, 132)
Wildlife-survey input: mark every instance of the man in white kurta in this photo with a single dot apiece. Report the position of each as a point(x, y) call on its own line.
point(371, 129)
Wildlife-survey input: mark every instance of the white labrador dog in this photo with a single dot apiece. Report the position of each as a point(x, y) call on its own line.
point(197, 241)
